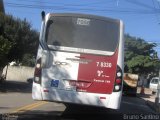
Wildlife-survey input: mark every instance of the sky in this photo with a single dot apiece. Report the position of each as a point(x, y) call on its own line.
point(141, 17)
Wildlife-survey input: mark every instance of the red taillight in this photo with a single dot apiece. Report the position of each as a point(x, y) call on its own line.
point(118, 81)
point(37, 72)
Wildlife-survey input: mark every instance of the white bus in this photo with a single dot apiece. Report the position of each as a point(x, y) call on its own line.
point(80, 60)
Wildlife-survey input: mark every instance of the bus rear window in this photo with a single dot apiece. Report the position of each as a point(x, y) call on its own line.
point(84, 33)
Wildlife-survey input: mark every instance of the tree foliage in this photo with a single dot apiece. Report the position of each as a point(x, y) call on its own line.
point(140, 56)
point(16, 39)
point(5, 46)
point(28, 60)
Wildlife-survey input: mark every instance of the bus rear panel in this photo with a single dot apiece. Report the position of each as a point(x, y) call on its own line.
point(80, 60)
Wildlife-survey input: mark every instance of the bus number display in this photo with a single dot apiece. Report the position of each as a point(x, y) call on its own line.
point(104, 64)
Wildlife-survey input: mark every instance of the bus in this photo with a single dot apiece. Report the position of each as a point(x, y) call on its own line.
point(79, 60)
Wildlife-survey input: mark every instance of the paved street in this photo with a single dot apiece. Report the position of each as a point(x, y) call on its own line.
point(17, 102)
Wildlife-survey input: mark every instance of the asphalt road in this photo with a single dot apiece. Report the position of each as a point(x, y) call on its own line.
point(16, 103)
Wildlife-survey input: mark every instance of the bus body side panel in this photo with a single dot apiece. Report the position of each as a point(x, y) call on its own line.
point(67, 67)
point(36, 91)
point(82, 73)
point(101, 72)
point(83, 98)
point(36, 88)
point(120, 63)
point(63, 69)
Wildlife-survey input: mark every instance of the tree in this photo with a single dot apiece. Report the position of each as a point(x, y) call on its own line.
point(16, 39)
point(140, 56)
point(28, 60)
point(5, 46)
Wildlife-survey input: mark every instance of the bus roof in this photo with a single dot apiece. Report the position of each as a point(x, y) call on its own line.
point(85, 16)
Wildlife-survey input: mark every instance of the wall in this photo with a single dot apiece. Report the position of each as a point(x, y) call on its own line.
point(19, 73)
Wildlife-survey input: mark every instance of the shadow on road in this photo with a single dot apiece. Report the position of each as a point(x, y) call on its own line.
point(16, 86)
point(129, 106)
point(73, 112)
point(90, 112)
point(82, 113)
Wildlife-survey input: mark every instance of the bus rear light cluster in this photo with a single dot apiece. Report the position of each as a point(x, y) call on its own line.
point(37, 72)
point(118, 80)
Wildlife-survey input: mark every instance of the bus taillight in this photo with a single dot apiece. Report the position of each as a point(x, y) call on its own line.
point(37, 72)
point(118, 80)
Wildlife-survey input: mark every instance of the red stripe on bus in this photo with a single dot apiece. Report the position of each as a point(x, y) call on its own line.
point(100, 71)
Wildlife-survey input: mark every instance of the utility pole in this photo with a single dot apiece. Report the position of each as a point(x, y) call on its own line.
point(2, 6)
point(157, 100)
